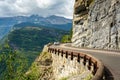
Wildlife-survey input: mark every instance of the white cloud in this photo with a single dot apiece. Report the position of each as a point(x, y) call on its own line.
point(40, 7)
point(44, 3)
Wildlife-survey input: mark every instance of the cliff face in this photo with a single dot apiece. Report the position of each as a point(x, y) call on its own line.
point(96, 24)
point(42, 68)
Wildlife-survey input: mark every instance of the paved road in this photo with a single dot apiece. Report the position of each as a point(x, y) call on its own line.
point(111, 59)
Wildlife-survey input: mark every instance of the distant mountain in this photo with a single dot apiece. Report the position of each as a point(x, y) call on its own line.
point(65, 27)
point(57, 20)
point(7, 23)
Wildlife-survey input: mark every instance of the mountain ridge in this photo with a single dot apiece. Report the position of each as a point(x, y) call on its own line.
point(7, 23)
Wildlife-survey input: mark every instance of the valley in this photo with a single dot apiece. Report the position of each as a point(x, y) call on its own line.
point(22, 46)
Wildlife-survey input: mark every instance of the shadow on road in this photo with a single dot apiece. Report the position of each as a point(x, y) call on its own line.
point(108, 74)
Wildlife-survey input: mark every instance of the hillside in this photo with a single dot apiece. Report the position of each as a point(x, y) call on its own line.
point(65, 27)
point(21, 48)
point(34, 38)
point(30, 40)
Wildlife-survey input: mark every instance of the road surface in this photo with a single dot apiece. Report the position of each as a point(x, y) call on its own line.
point(111, 59)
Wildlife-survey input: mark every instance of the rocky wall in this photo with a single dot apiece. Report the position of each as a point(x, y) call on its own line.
point(96, 24)
point(65, 68)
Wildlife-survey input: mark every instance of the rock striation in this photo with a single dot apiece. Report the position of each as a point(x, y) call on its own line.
point(96, 24)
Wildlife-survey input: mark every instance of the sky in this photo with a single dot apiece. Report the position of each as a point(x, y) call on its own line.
point(38, 7)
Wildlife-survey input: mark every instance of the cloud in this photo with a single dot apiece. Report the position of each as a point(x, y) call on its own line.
point(40, 7)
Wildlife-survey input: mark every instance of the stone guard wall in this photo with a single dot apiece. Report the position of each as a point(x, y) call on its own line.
point(75, 65)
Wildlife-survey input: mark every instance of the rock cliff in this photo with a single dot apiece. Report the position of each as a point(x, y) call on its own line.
point(42, 68)
point(96, 24)
point(50, 66)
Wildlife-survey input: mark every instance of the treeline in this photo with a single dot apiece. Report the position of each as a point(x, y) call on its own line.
point(67, 38)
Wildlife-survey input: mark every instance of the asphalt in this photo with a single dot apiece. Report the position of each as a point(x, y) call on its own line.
point(111, 59)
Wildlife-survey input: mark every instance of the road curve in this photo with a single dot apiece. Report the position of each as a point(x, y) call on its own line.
point(111, 59)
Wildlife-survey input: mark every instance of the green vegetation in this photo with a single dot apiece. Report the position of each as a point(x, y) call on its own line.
point(64, 78)
point(34, 38)
point(34, 73)
point(12, 64)
point(19, 50)
point(67, 38)
point(89, 77)
point(41, 68)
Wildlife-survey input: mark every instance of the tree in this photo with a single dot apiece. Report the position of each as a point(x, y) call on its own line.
point(14, 65)
point(67, 38)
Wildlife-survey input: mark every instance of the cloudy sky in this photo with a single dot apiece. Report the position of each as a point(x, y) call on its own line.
point(40, 7)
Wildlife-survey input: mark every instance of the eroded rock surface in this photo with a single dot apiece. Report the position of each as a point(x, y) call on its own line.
point(96, 24)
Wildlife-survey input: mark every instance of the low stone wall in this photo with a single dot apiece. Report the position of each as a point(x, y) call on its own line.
point(66, 68)
point(76, 65)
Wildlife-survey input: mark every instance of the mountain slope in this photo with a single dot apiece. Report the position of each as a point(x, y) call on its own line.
point(57, 26)
point(34, 38)
point(22, 48)
point(7, 23)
